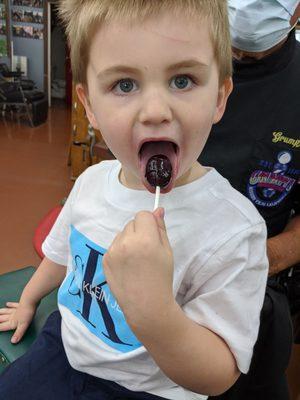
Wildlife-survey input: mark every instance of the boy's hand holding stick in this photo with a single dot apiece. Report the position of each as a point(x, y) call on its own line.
point(139, 268)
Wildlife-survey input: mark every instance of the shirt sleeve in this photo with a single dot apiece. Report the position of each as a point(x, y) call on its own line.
point(230, 299)
point(56, 245)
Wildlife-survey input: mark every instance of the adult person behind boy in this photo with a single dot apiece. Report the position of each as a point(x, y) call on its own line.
point(261, 132)
point(162, 315)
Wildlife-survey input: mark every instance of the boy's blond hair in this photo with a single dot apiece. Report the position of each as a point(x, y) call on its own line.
point(82, 18)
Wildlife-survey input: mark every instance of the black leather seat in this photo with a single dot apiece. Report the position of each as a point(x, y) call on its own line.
point(14, 99)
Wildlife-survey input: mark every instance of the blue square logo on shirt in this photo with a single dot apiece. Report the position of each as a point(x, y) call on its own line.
point(87, 295)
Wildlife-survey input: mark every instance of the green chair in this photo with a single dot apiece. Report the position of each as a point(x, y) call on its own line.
point(11, 286)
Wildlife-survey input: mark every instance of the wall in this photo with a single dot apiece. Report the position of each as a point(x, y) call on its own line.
point(34, 51)
point(30, 47)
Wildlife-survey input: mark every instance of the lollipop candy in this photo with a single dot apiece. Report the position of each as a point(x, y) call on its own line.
point(159, 171)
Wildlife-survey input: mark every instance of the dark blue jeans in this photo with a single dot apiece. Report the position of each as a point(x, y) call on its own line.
point(44, 373)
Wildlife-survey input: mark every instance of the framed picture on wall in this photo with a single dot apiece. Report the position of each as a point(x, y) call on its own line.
point(38, 33)
point(28, 3)
point(23, 31)
point(35, 17)
point(3, 47)
point(28, 32)
point(2, 13)
point(4, 29)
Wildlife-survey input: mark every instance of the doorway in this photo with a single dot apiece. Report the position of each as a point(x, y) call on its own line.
point(59, 82)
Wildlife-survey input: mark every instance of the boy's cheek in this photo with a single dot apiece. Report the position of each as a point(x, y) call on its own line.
point(115, 132)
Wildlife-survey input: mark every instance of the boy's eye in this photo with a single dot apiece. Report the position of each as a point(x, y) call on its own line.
point(125, 86)
point(181, 82)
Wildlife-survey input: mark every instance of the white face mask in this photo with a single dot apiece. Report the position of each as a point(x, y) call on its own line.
point(258, 25)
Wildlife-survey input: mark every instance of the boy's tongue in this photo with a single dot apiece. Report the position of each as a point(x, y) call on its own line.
point(158, 165)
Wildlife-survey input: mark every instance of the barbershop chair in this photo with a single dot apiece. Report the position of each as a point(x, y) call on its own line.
point(4, 70)
point(11, 287)
point(31, 103)
point(26, 84)
point(16, 76)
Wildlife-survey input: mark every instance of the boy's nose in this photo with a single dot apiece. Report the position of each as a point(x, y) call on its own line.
point(155, 109)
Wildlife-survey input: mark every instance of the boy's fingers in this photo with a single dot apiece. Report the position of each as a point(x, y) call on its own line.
point(12, 304)
point(4, 318)
point(19, 332)
point(145, 224)
point(5, 326)
point(5, 311)
point(129, 228)
point(159, 214)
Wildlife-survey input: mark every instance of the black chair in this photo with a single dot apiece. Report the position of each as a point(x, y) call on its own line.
point(9, 74)
point(16, 76)
point(26, 84)
point(16, 100)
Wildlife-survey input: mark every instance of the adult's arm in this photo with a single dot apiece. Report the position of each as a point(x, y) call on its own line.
point(284, 249)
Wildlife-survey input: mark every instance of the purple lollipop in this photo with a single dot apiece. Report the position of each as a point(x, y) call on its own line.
point(159, 171)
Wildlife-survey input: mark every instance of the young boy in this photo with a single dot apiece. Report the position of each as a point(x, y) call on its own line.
point(147, 309)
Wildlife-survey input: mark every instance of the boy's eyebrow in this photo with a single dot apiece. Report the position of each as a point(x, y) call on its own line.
point(188, 64)
point(131, 70)
point(117, 69)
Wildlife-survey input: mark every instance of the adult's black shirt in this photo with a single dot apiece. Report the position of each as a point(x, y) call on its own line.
point(256, 145)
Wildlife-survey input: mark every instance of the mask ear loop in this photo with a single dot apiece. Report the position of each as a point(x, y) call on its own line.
point(293, 27)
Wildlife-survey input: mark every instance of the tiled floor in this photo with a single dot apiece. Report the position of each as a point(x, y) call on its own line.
point(34, 177)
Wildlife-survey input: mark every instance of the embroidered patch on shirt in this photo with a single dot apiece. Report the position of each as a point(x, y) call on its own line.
point(269, 188)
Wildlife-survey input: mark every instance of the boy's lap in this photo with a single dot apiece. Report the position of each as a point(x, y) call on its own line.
point(44, 373)
point(41, 373)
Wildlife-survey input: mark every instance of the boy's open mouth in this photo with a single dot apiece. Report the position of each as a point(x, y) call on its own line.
point(158, 163)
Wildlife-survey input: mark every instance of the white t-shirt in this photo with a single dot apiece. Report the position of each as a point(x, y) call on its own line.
point(220, 270)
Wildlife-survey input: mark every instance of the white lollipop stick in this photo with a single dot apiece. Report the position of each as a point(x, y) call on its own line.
point(157, 194)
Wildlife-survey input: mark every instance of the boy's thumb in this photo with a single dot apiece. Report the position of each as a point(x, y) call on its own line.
point(159, 215)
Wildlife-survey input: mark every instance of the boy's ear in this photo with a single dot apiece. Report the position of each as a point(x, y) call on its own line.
point(82, 93)
point(224, 92)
